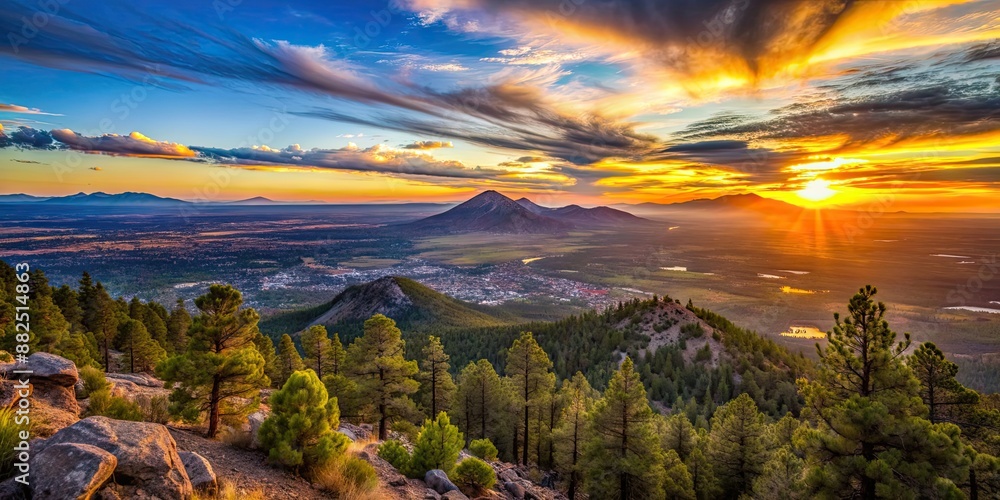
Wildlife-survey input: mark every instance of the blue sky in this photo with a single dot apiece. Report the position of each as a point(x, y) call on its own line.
point(822, 103)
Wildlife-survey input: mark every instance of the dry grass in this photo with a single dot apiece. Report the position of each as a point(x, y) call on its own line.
point(228, 491)
point(342, 477)
point(236, 437)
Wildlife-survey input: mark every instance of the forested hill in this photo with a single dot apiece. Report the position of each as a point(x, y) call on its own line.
point(686, 356)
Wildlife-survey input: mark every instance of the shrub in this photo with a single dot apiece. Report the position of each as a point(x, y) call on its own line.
point(437, 447)
point(104, 404)
point(692, 331)
point(348, 477)
point(484, 449)
point(406, 428)
point(154, 409)
point(475, 475)
point(93, 380)
point(395, 453)
point(6, 357)
point(9, 438)
point(300, 430)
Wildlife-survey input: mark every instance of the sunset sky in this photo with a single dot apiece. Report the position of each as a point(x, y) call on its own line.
point(815, 102)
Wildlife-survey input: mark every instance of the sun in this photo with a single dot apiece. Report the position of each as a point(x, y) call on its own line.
point(816, 190)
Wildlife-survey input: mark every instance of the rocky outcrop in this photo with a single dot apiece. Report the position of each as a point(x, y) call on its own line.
point(143, 379)
point(53, 395)
point(200, 472)
point(438, 481)
point(254, 421)
point(70, 471)
point(148, 461)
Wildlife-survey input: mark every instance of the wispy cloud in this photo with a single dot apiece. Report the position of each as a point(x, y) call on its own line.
point(24, 110)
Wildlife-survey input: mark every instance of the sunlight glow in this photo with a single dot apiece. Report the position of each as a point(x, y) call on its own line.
point(816, 190)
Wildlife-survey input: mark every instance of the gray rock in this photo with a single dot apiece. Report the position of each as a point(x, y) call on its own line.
point(255, 420)
point(454, 495)
point(437, 480)
point(516, 490)
point(508, 475)
point(142, 379)
point(79, 389)
point(199, 470)
point(147, 454)
point(45, 367)
point(70, 471)
point(430, 494)
point(13, 490)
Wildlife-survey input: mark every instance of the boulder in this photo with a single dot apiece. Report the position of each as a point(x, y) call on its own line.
point(454, 495)
point(147, 454)
point(255, 420)
point(437, 480)
point(515, 490)
point(13, 490)
point(143, 379)
point(430, 494)
point(200, 472)
point(70, 471)
point(9, 393)
point(79, 389)
point(508, 475)
point(45, 367)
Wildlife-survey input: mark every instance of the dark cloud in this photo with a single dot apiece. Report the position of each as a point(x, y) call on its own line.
point(940, 111)
point(983, 52)
point(26, 137)
point(134, 144)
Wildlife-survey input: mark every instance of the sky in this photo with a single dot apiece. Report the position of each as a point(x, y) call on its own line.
point(888, 105)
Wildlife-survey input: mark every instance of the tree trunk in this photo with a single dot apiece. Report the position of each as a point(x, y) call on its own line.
point(434, 401)
point(524, 452)
point(382, 431)
point(213, 411)
point(867, 483)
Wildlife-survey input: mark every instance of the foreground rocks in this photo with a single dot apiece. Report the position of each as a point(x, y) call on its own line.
point(148, 462)
point(70, 471)
point(200, 472)
point(53, 395)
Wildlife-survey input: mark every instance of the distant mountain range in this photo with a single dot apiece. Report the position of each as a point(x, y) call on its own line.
point(134, 199)
point(730, 202)
point(493, 212)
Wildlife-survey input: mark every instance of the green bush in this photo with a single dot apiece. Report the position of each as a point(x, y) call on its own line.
point(437, 447)
point(475, 475)
point(484, 449)
point(154, 409)
point(301, 428)
point(9, 438)
point(692, 331)
point(104, 404)
point(359, 473)
point(395, 453)
point(93, 380)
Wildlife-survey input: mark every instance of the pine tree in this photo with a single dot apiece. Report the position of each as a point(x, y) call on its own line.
point(318, 350)
point(178, 324)
point(623, 459)
point(141, 351)
point(677, 483)
point(736, 445)
point(871, 439)
point(221, 372)
point(337, 354)
point(302, 427)
point(479, 401)
point(946, 399)
point(265, 346)
point(288, 360)
point(699, 466)
point(573, 432)
point(678, 434)
point(781, 474)
point(100, 316)
point(438, 387)
point(438, 446)
point(381, 371)
point(48, 326)
point(66, 299)
point(528, 366)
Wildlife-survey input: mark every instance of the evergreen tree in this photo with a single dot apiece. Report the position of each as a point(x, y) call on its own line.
point(572, 432)
point(699, 466)
point(438, 446)
point(382, 373)
point(678, 434)
point(349, 398)
point(528, 366)
point(946, 399)
point(781, 474)
point(48, 326)
point(178, 324)
point(438, 387)
point(288, 359)
point(69, 305)
point(141, 351)
point(337, 355)
point(265, 346)
point(479, 401)
point(221, 372)
point(100, 318)
point(677, 483)
point(318, 350)
point(302, 427)
point(871, 440)
point(736, 445)
point(623, 459)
